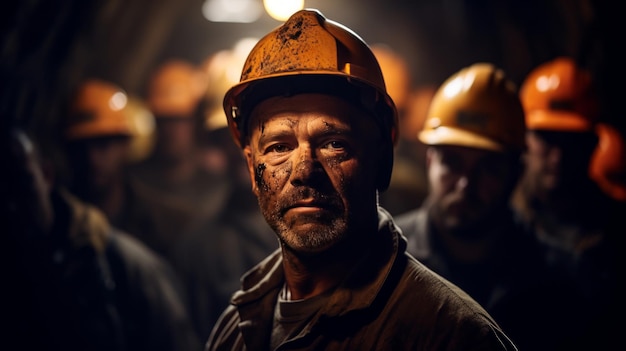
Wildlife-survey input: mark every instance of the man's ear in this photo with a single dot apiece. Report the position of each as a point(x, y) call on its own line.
point(247, 152)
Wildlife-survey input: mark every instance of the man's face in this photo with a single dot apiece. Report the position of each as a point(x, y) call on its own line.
point(313, 161)
point(98, 163)
point(468, 186)
point(175, 137)
point(557, 162)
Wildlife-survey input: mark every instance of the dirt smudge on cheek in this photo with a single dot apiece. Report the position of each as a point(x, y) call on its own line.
point(282, 173)
point(258, 177)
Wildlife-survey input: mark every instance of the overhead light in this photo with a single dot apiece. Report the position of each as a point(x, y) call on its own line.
point(281, 9)
point(234, 11)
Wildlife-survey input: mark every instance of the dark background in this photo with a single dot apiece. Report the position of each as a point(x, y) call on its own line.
point(49, 46)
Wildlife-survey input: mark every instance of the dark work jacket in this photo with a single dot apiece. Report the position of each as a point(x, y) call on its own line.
point(90, 287)
point(514, 284)
point(212, 259)
point(389, 302)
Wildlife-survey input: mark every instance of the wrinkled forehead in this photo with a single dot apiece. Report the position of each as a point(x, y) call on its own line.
point(330, 107)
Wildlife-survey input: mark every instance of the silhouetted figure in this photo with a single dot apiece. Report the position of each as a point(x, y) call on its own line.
point(97, 140)
point(71, 280)
point(558, 201)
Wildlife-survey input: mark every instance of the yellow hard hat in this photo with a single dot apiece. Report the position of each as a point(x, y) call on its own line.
point(175, 89)
point(476, 107)
point(559, 95)
point(97, 110)
point(309, 53)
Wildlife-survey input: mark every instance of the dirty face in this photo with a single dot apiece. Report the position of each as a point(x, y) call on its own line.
point(313, 161)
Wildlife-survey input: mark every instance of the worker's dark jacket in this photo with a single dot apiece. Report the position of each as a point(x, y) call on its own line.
point(88, 286)
point(513, 283)
point(390, 302)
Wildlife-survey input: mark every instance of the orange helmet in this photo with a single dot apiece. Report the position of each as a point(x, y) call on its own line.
point(559, 95)
point(98, 110)
point(175, 89)
point(309, 53)
point(608, 162)
point(476, 107)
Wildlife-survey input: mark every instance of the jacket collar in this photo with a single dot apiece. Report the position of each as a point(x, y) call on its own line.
point(359, 289)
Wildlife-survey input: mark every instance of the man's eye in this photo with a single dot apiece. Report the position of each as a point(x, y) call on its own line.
point(335, 144)
point(279, 148)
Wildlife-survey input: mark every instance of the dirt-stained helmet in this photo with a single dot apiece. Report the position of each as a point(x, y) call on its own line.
point(97, 110)
point(608, 162)
point(476, 107)
point(307, 54)
point(559, 95)
point(175, 89)
point(311, 54)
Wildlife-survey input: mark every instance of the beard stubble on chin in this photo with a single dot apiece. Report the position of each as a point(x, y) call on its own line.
point(312, 232)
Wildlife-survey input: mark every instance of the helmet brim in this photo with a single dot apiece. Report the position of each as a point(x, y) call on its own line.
point(557, 120)
point(458, 137)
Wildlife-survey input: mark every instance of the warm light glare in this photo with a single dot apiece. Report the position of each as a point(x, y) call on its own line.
point(240, 52)
point(280, 10)
point(547, 83)
point(118, 101)
point(234, 11)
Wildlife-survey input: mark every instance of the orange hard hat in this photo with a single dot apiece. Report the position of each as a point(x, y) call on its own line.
point(559, 95)
point(608, 162)
point(309, 53)
point(175, 89)
point(476, 107)
point(97, 110)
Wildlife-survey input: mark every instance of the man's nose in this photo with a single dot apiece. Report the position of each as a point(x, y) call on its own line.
point(306, 166)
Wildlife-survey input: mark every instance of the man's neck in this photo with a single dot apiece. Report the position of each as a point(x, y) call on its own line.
point(308, 276)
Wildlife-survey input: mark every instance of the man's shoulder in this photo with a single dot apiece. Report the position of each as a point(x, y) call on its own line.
point(137, 258)
point(410, 221)
point(420, 283)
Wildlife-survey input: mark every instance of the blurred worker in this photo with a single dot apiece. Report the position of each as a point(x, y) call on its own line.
point(317, 127)
point(71, 281)
point(98, 135)
point(465, 230)
point(172, 169)
point(556, 199)
point(408, 186)
point(220, 250)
